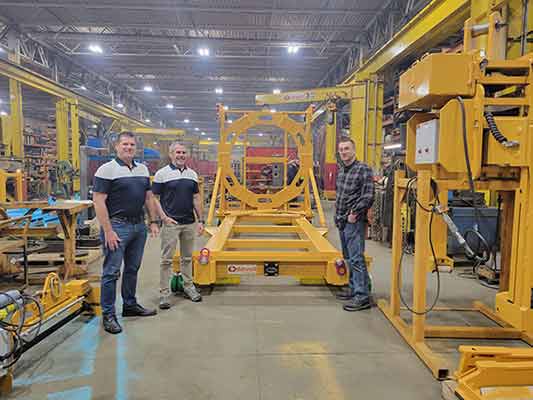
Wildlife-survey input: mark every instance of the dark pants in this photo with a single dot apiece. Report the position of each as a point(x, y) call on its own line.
point(130, 250)
point(353, 249)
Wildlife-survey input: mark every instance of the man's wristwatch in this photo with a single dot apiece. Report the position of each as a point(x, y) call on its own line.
point(201, 222)
point(157, 222)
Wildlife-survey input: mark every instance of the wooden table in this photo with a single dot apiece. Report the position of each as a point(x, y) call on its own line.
point(68, 214)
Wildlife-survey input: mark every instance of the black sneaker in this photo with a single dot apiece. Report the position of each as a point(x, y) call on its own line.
point(357, 305)
point(137, 311)
point(111, 324)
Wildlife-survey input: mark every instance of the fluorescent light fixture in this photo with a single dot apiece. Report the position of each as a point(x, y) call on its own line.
point(148, 88)
point(203, 51)
point(196, 129)
point(260, 134)
point(293, 49)
point(170, 106)
point(272, 110)
point(230, 121)
point(95, 48)
point(186, 120)
point(276, 91)
point(219, 90)
point(147, 120)
point(3, 113)
point(155, 142)
point(203, 133)
point(94, 126)
point(83, 87)
point(120, 105)
point(392, 146)
point(208, 138)
point(226, 108)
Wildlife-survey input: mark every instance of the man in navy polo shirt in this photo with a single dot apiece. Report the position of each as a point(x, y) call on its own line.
point(177, 187)
point(121, 189)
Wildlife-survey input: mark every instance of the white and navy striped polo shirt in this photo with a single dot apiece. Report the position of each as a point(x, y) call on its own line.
point(125, 187)
point(176, 189)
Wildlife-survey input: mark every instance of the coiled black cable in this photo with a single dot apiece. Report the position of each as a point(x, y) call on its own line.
point(493, 128)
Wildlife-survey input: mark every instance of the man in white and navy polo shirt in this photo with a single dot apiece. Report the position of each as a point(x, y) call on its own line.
point(121, 189)
point(177, 187)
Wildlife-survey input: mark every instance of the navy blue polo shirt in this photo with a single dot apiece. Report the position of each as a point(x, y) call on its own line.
point(176, 189)
point(125, 187)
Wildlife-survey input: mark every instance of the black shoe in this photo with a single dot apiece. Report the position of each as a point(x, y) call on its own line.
point(137, 311)
point(357, 305)
point(344, 295)
point(111, 324)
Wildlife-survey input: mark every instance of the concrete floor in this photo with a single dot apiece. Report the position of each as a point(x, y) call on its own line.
point(265, 339)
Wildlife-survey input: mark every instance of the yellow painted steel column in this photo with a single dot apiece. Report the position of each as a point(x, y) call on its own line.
point(16, 121)
point(62, 130)
point(75, 135)
point(358, 120)
point(423, 189)
point(6, 134)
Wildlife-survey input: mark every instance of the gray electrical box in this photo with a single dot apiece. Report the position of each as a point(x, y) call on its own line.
point(427, 142)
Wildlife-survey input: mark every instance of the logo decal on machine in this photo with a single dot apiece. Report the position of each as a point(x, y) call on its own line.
point(242, 269)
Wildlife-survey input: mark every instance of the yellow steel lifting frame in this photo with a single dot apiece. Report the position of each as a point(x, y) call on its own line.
point(486, 82)
point(267, 233)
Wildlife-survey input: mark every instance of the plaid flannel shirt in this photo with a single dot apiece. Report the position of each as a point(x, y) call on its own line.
point(355, 191)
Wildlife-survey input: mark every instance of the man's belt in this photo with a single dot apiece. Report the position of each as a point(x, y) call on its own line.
point(137, 219)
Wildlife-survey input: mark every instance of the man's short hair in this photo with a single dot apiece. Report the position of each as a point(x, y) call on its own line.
point(125, 134)
point(174, 145)
point(345, 139)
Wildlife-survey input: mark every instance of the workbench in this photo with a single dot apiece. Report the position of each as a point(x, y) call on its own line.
point(67, 212)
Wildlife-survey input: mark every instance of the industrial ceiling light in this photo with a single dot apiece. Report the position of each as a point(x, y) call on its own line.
point(203, 133)
point(170, 106)
point(260, 134)
point(196, 129)
point(276, 91)
point(186, 120)
point(219, 90)
point(83, 87)
point(293, 49)
point(230, 121)
point(3, 113)
point(95, 48)
point(120, 105)
point(272, 110)
point(94, 126)
point(226, 108)
point(203, 51)
point(208, 138)
point(147, 120)
point(148, 88)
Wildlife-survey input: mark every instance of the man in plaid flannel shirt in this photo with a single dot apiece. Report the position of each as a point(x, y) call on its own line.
point(355, 195)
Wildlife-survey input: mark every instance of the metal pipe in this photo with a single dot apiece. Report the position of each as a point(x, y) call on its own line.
point(365, 139)
point(523, 37)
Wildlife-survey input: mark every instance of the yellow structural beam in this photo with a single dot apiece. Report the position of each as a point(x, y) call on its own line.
point(307, 95)
point(157, 131)
point(430, 26)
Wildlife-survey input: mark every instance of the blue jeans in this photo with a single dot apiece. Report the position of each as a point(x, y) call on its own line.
point(353, 250)
point(130, 250)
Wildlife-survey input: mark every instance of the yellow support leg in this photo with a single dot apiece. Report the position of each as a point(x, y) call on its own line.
point(16, 124)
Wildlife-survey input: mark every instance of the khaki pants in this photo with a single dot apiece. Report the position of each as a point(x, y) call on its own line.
point(170, 235)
